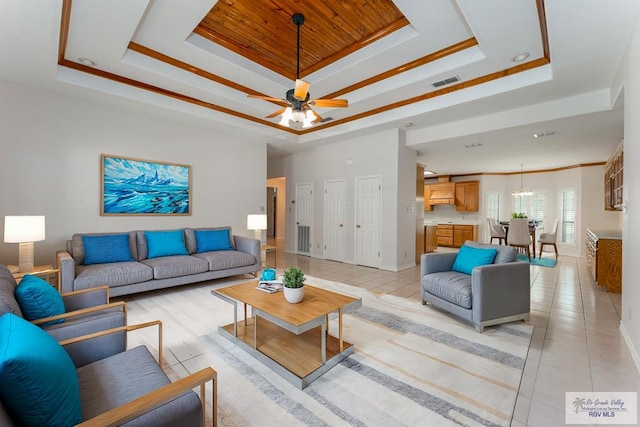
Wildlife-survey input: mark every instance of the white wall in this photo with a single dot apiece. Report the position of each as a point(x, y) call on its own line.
point(50, 165)
point(372, 155)
point(406, 214)
point(631, 217)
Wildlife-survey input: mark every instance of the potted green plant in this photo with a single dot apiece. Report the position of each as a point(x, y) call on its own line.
point(293, 282)
point(518, 215)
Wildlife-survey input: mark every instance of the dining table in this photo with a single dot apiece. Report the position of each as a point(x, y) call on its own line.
point(533, 224)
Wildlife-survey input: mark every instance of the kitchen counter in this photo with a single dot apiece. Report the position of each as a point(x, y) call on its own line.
point(459, 222)
point(606, 234)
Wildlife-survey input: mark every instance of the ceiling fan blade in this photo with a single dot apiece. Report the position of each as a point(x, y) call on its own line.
point(276, 113)
point(335, 103)
point(266, 98)
point(318, 118)
point(301, 90)
point(279, 101)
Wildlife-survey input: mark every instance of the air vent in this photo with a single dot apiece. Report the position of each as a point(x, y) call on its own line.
point(446, 81)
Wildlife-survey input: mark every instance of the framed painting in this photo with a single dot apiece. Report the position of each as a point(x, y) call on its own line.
point(144, 187)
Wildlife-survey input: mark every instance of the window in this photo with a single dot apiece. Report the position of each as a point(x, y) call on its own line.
point(533, 206)
point(494, 202)
point(568, 216)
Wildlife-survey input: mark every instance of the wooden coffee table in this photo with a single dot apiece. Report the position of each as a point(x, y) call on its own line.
point(291, 339)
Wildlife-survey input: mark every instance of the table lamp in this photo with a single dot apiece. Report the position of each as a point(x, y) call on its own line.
point(257, 222)
point(24, 230)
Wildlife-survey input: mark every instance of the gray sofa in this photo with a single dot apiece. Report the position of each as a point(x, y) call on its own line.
point(492, 294)
point(144, 274)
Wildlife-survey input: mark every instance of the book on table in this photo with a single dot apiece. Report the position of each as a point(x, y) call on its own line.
point(270, 286)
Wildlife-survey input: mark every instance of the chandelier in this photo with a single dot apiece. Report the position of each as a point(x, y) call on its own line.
point(522, 191)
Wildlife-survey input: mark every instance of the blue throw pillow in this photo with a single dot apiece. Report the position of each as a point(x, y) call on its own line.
point(213, 240)
point(39, 381)
point(469, 257)
point(38, 299)
point(165, 243)
point(107, 248)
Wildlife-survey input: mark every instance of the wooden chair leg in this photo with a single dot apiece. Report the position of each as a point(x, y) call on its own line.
point(528, 253)
point(555, 248)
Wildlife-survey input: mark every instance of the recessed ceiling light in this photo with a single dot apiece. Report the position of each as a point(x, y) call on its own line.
point(521, 57)
point(473, 145)
point(543, 134)
point(88, 62)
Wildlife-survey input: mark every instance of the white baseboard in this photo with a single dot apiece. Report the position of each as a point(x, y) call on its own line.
point(634, 353)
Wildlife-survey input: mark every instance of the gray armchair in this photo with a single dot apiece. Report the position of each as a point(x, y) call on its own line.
point(86, 312)
point(492, 294)
point(127, 388)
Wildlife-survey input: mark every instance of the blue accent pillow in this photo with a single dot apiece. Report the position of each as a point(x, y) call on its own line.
point(39, 381)
point(469, 257)
point(165, 243)
point(107, 248)
point(38, 299)
point(213, 240)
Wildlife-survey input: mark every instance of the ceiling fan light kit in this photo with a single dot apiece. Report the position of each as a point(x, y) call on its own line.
point(298, 99)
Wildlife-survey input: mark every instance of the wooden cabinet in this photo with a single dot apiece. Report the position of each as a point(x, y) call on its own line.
point(430, 238)
point(454, 235)
point(427, 194)
point(604, 256)
point(442, 193)
point(462, 233)
point(613, 174)
point(445, 234)
point(467, 196)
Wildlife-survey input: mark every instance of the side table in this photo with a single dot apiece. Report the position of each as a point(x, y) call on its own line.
point(267, 249)
point(45, 271)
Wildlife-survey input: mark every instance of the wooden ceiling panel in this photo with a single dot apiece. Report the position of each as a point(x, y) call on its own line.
point(263, 32)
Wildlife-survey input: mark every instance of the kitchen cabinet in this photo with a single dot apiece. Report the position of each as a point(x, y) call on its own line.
point(604, 257)
point(467, 196)
point(454, 235)
point(442, 193)
point(428, 206)
point(462, 233)
point(444, 233)
point(430, 238)
point(613, 184)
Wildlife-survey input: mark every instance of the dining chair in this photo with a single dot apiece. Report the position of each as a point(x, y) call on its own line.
point(519, 235)
point(549, 239)
point(496, 231)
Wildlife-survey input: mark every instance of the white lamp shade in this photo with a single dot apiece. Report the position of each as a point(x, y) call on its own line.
point(22, 229)
point(257, 222)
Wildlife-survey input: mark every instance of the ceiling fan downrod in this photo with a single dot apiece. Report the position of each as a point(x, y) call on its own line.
point(298, 20)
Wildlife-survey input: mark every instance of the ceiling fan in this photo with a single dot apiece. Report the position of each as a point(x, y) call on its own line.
point(296, 106)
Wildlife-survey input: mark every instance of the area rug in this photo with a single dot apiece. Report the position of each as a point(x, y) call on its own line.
point(542, 262)
point(412, 364)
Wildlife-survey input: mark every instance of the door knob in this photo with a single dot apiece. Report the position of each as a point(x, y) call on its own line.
point(340, 225)
point(358, 226)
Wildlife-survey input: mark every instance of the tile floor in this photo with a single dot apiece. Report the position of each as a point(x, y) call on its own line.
point(576, 345)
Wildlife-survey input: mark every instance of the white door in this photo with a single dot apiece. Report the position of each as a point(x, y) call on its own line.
point(334, 219)
point(304, 209)
point(368, 210)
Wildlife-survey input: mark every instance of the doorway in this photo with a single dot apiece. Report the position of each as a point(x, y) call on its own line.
point(272, 197)
point(368, 210)
point(334, 219)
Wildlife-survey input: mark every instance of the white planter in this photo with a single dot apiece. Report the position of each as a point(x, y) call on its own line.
point(293, 295)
